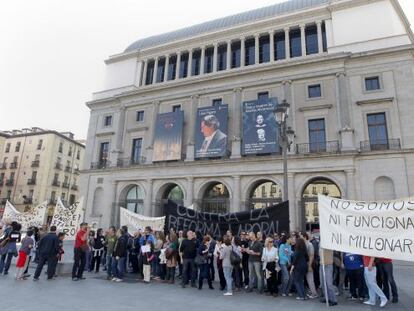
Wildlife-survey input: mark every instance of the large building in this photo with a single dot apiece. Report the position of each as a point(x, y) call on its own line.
point(39, 165)
point(187, 115)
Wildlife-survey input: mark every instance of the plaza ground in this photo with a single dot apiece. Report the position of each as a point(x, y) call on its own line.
point(95, 293)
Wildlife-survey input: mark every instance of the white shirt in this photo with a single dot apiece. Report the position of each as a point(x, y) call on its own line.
point(271, 255)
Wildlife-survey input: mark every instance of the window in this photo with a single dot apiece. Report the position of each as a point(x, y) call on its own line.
point(9, 192)
point(263, 97)
point(208, 60)
point(60, 147)
point(314, 91)
point(280, 46)
point(34, 175)
point(12, 174)
point(172, 67)
point(377, 130)
point(176, 108)
point(317, 136)
point(70, 151)
point(160, 70)
point(150, 72)
point(235, 54)
point(295, 43)
point(311, 39)
point(250, 52)
point(78, 155)
point(136, 150)
point(107, 120)
point(264, 49)
point(184, 65)
point(195, 67)
point(324, 41)
point(56, 177)
point(372, 83)
point(103, 153)
point(140, 116)
point(217, 102)
point(37, 157)
point(18, 144)
point(7, 148)
point(63, 196)
point(39, 144)
point(222, 57)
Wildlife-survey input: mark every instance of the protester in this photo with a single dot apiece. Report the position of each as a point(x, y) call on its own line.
point(386, 275)
point(47, 249)
point(309, 273)
point(236, 261)
point(24, 252)
point(270, 258)
point(119, 256)
point(8, 247)
point(97, 250)
point(326, 256)
point(255, 265)
point(370, 272)
point(285, 255)
point(171, 254)
point(148, 256)
point(219, 261)
point(188, 249)
point(110, 241)
point(80, 249)
point(225, 254)
point(203, 264)
point(355, 270)
point(299, 268)
point(245, 258)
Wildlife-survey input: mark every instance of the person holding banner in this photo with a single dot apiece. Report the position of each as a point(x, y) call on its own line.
point(326, 275)
point(370, 273)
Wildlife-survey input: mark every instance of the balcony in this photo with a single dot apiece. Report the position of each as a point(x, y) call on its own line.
point(35, 163)
point(323, 147)
point(13, 165)
point(58, 166)
point(74, 187)
point(76, 171)
point(380, 144)
point(100, 165)
point(65, 185)
point(67, 169)
point(4, 200)
point(10, 182)
point(130, 162)
point(3, 166)
point(56, 183)
point(31, 181)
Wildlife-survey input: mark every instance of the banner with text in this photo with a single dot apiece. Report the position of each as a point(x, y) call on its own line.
point(138, 222)
point(379, 228)
point(35, 217)
point(268, 220)
point(67, 219)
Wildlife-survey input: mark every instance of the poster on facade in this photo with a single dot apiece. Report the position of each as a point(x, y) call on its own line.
point(34, 217)
point(67, 219)
point(270, 220)
point(211, 132)
point(382, 229)
point(259, 127)
point(136, 222)
point(168, 136)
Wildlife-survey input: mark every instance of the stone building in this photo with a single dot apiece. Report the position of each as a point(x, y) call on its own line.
point(39, 165)
point(346, 68)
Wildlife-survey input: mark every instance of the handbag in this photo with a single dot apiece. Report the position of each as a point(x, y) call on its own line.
point(235, 259)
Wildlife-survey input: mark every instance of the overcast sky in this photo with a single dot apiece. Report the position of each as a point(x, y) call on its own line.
point(52, 51)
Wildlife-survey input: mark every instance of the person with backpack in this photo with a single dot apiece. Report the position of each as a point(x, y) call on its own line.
point(8, 246)
point(270, 259)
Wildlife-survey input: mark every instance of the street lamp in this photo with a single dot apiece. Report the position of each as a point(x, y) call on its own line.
point(286, 135)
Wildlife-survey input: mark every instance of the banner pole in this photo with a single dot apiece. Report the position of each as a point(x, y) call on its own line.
point(324, 277)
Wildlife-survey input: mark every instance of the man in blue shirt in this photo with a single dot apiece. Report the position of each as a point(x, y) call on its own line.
point(355, 269)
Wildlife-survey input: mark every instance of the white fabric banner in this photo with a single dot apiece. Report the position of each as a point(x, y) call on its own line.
point(67, 219)
point(382, 229)
point(135, 221)
point(36, 216)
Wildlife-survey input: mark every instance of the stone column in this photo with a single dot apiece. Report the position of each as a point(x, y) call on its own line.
point(235, 204)
point(272, 45)
point(167, 64)
point(319, 28)
point(287, 94)
point(119, 138)
point(287, 42)
point(303, 39)
point(190, 62)
point(228, 55)
point(215, 57)
point(236, 120)
point(191, 128)
point(154, 78)
point(190, 191)
point(294, 213)
point(150, 149)
point(202, 59)
point(242, 52)
point(144, 75)
point(114, 213)
point(256, 48)
point(148, 210)
point(350, 184)
point(177, 66)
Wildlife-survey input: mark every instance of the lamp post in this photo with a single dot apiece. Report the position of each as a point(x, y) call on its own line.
point(286, 134)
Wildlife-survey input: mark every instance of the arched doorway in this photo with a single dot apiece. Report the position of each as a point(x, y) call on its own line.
point(309, 201)
point(172, 192)
point(216, 199)
point(134, 200)
point(264, 193)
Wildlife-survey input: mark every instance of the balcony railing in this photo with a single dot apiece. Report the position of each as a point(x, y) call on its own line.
point(3, 166)
point(56, 183)
point(13, 165)
point(131, 162)
point(323, 147)
point(74, 187)
point(65, 185)
point(10, 182)
point(35, 163)
point(58, 166)
point(31, 181)
point(76, 171)
point(67, 169)
point(380, 144)
point(100, 165)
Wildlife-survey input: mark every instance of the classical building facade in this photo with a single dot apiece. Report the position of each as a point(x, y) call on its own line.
point(345, 67)
point(39, 165)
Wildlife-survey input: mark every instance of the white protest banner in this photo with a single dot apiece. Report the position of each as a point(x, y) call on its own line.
point(379, 228)
point(135, 221)
point(36, 216)
point(67, 219)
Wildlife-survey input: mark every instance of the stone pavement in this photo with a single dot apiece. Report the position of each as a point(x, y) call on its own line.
point(95, 293)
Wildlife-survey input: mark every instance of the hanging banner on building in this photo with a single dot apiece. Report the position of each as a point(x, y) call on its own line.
point(35, 217)
point(211, 132)
point(268, 220)
point(136, 222)
point(259, 127)
point(382, 229)
point(68, 219)
point(168, 136)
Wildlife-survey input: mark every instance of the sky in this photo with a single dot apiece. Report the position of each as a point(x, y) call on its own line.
point(52, 52)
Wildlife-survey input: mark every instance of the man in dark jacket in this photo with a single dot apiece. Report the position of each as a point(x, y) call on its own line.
point(47, 250)
point(188, 249)
point(119, 256)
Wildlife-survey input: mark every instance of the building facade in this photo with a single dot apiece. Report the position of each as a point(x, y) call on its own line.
point(39, 165)
point(345, 67)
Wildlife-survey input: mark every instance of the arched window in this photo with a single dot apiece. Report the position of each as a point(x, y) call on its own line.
point(175, 194)
point(135, 200)
point(265, 193)
point(384, 188)
point(216, 199)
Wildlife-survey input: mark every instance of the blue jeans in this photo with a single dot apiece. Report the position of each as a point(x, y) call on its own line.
point(298, 276)
point(118, 267)
point(109, 265)
point(373, 288)
point(5, 262)
point(227, 275)
point(255, 275)
point(328, 282)
point(284, 288)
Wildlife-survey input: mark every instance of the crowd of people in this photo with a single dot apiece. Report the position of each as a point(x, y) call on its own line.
point(284, 264)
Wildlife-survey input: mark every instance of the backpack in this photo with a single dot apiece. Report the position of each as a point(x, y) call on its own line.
point(235, 259)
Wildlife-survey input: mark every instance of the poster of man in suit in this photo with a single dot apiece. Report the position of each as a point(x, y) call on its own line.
point(211, 132)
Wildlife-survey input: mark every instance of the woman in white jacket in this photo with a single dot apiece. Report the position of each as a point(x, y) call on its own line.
point(270, 259)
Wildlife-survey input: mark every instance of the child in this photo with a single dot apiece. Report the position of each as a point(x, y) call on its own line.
point(148, 256)
point(24, 252)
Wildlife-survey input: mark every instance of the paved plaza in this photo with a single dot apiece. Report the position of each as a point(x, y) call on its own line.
point(95, 293)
